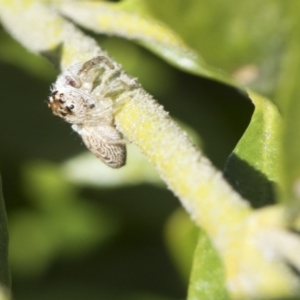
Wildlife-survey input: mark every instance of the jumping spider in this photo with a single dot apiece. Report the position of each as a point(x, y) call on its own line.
point(87, 95)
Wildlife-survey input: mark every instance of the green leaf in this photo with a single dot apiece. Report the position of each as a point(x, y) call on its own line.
point(243, 38)
point(4, 268)
point(287, 97)
point(207, 279)
point(12, 53)
point(253, 167)
point(61, 223)
point(181, 237)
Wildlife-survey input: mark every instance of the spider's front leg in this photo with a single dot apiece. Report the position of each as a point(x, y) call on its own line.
point(92, 71)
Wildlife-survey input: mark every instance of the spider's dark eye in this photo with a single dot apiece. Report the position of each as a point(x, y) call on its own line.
point(69, 108)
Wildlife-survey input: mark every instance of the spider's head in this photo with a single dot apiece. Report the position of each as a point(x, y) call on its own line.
point(72, 105)
point(59, 105)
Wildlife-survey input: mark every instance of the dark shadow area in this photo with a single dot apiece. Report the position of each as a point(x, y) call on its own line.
point(250, 183)
point(293, 268)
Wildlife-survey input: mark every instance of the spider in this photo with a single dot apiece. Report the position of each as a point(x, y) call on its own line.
point(87, 95)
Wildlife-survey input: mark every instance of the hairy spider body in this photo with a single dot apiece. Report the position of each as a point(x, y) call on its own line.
point(87, 95)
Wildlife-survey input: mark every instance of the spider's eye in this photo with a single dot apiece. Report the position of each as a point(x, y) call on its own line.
point(71, 106)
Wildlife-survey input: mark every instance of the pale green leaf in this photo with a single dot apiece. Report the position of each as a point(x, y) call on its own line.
point(207, 280)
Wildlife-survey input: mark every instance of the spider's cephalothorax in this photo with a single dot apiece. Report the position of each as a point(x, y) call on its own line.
point(72, 105)
point(87, 95)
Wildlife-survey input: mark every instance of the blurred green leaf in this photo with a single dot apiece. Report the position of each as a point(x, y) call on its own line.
point(4, 268)
point(61, 223)
point(94, 292)
point(181, 237)
point(287, 97)
point(247, 39)
point(86, 169)
point(13, 53)
point(31, 244)
point(254, 165)
point(4, 293)
point(144, 297)
point(46, 187)
point(130, 20)
point(207, 279)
